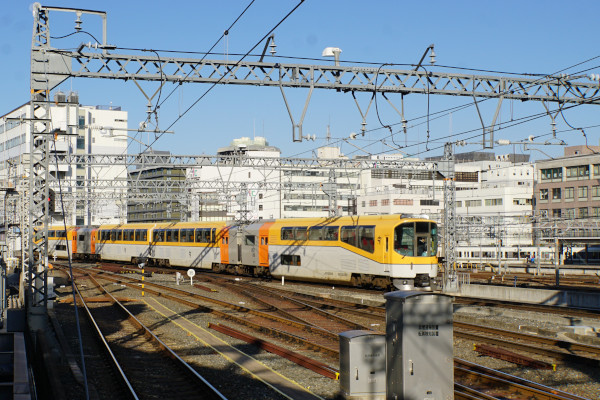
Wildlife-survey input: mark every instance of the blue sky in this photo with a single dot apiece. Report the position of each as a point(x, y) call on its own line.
point(508, 36)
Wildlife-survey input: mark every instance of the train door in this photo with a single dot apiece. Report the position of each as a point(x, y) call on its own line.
point(72, 237)
point(263, 244)
point(386, 253)
point(93, 241)
point(225, 246)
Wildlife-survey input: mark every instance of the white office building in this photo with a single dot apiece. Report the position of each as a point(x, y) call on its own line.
point(262, 191)
point(80, 130)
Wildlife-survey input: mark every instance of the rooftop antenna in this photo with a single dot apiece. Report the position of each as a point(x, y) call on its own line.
point(328, 136)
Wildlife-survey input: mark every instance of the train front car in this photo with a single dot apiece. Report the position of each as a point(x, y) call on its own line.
point(382, 251)
point(413, 259)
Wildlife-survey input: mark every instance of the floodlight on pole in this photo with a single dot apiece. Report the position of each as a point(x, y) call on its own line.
point(332, 52)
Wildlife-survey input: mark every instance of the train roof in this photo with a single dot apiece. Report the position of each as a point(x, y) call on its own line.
point(351, 220)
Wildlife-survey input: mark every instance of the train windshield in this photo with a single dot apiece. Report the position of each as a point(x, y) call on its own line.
point(416, 239)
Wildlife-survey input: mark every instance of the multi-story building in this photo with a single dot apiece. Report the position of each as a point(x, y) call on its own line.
point(493, 198)
point(157, 208)
point(288, 191)
point(81, 130)
point(569, 187)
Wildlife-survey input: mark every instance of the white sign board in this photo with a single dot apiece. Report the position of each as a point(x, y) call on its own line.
point(191, 273)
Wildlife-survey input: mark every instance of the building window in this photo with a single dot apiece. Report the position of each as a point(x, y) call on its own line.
point(403, 202)
point(578, 172)
point(472, 203)
point(543, 194)
point(493, 202)
point(385, 202)
point(595, 191)
point(551, 173)
point(522, 202)
point(596, 212)
point(556, 213)
point(582, 192)
point(372, 203)
point(260, 207)
point(570, 212)
point(459, 204)
point(260, 196)
point(427, 202)
point(363, 204)
point(583, 212)
point(597, 170)
point(81, 122)
point(80, 142)
point(569, 193)
point(555, 193)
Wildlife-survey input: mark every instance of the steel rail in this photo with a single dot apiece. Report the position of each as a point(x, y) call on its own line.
point(299, 359)
point(242, 321)
point(115, 363)
point(543, 308)
point(544, 391)
point(547, 391)
point(561, 344)
point(286, 297)
point(208, 389)
point(235, 307)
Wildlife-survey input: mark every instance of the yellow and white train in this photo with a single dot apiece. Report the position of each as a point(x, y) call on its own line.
point(375, 250)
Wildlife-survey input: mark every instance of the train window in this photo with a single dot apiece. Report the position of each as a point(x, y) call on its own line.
point(250, 240)
point(262, 241)
point(287, 233)
point(159, 235)
point(61, 234)
point(366, 240)
point(202, 235)
point(300, 233)
point(119, 234)
point(404, 237)
point(422, 246)
point(433, 248)
point(213, 237)
point(422, 227)
point(51, 234)
point(172, 235)
point(187, 235)
point(129, 235)
point(349, 235)
point(81, 238)
point(138, 235)
point(315, 233)
point(144, 235)
point(290, 259)
point(330, 233)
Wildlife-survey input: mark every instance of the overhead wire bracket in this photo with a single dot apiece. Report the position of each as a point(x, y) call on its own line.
point(296, 137)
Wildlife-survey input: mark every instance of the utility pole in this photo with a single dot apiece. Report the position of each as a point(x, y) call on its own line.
point(447, 169)
point(330, 189)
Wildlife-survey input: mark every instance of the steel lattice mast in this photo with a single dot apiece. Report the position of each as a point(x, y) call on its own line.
point(51, 66)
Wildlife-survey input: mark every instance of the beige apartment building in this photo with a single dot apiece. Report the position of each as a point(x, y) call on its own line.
point(568, 187)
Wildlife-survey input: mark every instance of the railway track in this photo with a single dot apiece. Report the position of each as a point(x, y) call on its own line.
point(354, 309)
point(146, 366)
point(558, 350)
